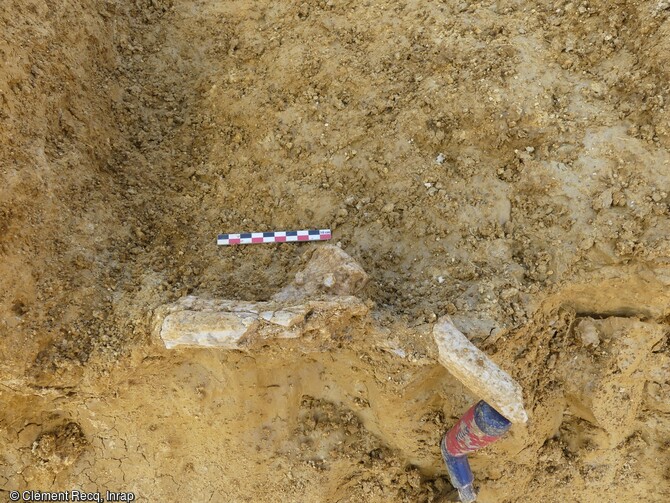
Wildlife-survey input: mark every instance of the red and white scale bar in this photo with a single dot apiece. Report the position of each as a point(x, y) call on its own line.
point(248, 238)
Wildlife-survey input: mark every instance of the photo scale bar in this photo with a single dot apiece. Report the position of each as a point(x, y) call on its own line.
point(247, 238)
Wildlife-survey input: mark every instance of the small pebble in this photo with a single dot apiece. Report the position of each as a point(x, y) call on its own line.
point(329, 281)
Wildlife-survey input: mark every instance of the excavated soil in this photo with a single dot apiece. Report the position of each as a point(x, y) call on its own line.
point(503, 162)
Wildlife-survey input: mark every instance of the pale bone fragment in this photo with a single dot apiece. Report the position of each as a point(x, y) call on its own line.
point(323, 288)
point(285, 317)
point(477, 372)
point(207, 329)
point(329, 271)
point(229, 324)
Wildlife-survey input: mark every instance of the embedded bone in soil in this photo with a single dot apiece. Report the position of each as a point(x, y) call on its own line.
point(477, 372)
point(230, 324)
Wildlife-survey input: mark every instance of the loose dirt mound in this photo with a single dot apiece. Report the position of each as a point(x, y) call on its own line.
point(503, 162)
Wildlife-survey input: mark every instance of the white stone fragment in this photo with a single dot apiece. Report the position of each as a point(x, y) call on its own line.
point(588, 332)
point(477, 372)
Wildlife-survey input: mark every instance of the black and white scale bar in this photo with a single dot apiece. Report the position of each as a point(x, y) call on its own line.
point(248, 238)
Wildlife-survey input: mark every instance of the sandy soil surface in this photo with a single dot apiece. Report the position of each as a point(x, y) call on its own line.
point(503, 162)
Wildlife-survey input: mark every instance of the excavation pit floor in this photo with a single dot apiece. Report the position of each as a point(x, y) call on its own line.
point(505, 163)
